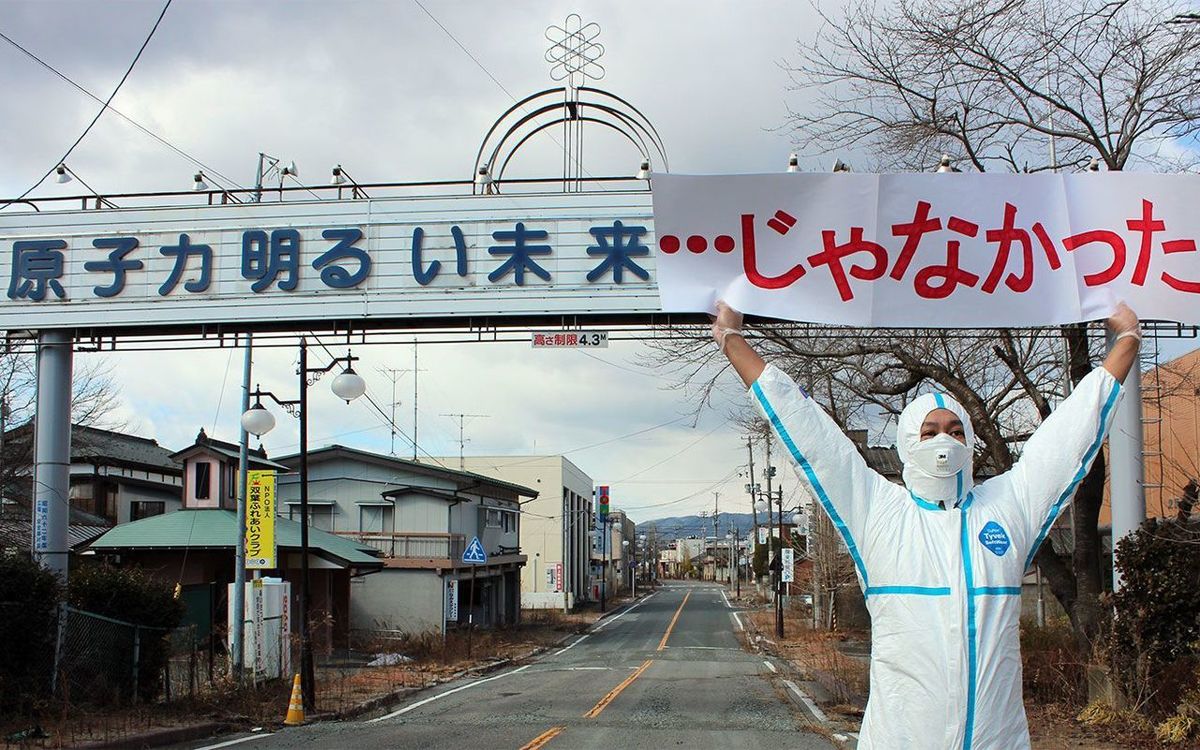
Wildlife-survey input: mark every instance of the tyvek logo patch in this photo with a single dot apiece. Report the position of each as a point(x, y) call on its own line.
point(993, 536)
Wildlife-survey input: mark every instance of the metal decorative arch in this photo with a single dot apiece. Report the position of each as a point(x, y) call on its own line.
point(564, 106)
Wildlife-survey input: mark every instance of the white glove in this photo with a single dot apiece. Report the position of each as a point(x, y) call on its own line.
point(728, 321)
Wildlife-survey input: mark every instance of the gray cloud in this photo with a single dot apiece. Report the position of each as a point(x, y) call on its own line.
point(379, 88)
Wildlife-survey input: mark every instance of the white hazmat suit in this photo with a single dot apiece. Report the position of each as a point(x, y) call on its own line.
point(941, 561)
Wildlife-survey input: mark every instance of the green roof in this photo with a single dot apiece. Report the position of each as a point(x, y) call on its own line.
point(217, 529)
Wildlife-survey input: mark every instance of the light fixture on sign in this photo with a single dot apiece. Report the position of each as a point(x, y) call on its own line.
point(945, 166)
point(338, 177)
point(1094, 165)
point(793, 163)
point(198, 182)
point(290, 170)
point(840, 166)
point(482, 177)
point(63, 174)
point(644, 170)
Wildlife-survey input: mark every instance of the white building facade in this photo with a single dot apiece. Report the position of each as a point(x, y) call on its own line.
point(555, 527)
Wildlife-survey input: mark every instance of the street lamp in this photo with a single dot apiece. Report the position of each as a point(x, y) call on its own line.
point(348, 385)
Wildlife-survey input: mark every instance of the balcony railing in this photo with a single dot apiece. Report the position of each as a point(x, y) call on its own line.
point(428, 546)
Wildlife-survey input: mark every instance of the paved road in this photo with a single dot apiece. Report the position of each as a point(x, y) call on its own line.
point(668, 672)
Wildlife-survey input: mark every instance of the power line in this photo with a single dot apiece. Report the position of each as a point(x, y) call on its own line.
point(682, 450)
point(488, 73)
point(207, 169)
point(474, 59)
point(96, 119)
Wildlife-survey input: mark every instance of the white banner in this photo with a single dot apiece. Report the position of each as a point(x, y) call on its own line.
point(937, 250)
point(787, 563)
point(394, 258)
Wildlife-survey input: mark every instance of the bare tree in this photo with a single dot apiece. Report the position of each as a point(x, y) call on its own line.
point(93, 401)
point(990, 82)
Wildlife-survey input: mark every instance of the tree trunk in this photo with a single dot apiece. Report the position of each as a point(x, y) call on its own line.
point(1078, 583)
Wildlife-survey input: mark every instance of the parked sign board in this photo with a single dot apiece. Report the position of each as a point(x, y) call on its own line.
point(260, 520)
point(569, 339)
point(452, 600)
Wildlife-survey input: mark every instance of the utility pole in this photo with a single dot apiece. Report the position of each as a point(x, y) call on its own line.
point(415, 371)
point(462, 419)
point(239, 564)
point(775, 527)
point(752, 487)
point(779, 589)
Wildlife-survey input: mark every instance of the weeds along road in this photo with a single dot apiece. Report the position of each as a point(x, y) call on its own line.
point(667, 672)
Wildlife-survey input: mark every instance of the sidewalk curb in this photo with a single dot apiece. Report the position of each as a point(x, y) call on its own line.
point(160, 737)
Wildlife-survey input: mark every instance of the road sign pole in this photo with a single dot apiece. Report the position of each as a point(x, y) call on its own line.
point(471, 613)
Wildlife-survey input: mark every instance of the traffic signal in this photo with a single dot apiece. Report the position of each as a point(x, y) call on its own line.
point(602, 500)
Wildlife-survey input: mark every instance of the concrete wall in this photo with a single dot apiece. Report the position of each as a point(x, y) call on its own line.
point(545, 527)
point(133, 493)
point(394, 599)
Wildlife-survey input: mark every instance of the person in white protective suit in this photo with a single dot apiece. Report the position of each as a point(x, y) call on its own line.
point(940, 560)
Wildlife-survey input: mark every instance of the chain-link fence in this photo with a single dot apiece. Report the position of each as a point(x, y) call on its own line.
point(105, 661)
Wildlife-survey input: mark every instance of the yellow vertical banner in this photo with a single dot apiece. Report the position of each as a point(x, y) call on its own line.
point(260, 520)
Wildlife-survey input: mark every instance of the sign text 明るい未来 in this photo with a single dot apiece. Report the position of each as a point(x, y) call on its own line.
point(385, 259)
point(930, 250)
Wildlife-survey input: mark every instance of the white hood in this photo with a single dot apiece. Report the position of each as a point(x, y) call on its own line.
point(948, 491)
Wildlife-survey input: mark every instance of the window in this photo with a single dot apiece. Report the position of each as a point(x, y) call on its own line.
point(319, 516)
point(492, 518)
point(146, 508)
point(203, 480)
point(509, 521)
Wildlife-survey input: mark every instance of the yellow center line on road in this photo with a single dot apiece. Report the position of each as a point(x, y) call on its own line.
point(663, 643)
point(543, 738)
point(612, 694)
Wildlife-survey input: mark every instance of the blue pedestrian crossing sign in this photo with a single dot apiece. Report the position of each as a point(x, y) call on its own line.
point(474, 553)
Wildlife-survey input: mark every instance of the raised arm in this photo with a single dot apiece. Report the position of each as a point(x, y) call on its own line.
point(824, 457)
point(1060, 452)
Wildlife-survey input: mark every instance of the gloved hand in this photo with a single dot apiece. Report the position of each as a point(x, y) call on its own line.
point(727, 321)
point(1123, 323)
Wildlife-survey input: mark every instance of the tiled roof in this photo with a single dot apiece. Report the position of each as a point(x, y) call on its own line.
point(217, 529)
point(17, 533)
point(92, 444)
point(462, 477)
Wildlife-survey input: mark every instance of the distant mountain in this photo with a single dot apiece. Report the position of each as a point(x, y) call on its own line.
point(682, 527)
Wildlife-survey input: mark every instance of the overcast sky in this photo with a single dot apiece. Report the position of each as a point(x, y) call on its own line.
point(380, 88)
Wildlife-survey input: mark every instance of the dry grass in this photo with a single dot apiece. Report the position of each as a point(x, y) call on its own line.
point(344, 682)
point(816, 655)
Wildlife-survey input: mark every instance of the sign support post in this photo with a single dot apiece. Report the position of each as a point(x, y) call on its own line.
point(474, 555)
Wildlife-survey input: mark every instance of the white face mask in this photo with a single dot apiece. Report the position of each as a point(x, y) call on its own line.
point(940, 456)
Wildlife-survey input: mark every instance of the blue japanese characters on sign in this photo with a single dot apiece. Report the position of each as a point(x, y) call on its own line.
point(272, 260)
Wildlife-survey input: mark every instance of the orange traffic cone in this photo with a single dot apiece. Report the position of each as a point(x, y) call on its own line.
point(295, 712)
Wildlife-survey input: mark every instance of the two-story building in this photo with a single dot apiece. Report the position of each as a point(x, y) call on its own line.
point(195, 547)
point(610, 557)
point(556, 526)
point(115, 477)
point(420, 518)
